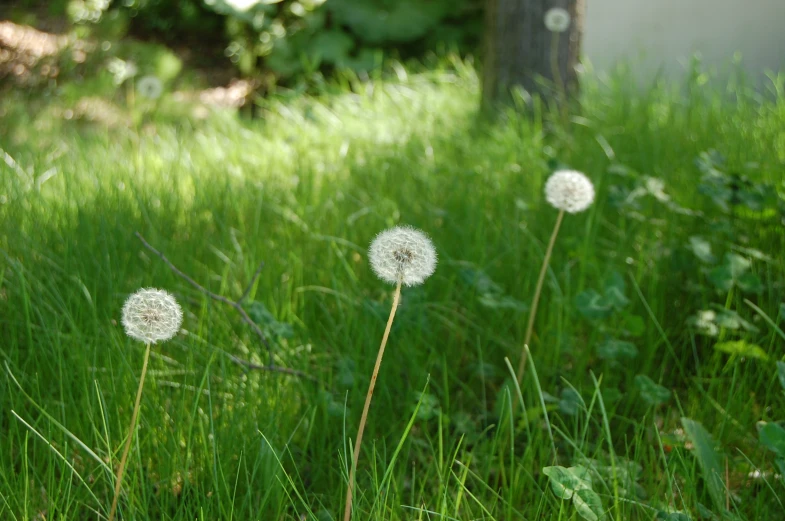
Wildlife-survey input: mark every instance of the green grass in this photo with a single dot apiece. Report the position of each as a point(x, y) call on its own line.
point(305, 189)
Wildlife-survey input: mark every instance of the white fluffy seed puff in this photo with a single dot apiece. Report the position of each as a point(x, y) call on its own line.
point(150, 87)
point(151, 315)
point(557, 20)
point(403, 253)
point(569, 190)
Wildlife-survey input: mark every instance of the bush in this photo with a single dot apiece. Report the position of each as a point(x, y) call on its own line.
point(291, 40)
point(175, 20)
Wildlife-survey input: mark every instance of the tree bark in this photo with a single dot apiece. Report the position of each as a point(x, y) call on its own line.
point(519, 51)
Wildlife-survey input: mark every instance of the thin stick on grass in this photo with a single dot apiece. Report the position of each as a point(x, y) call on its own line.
point(131, 430)
point(347, 515)
point(237, 305)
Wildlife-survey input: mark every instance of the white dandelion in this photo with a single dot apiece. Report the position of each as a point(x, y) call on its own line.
point(150, 87)
point(569, 190)
point(403, 254)
point(151, 315)
point(557, 20)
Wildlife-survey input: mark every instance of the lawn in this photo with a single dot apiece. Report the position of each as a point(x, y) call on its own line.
point(655, 379)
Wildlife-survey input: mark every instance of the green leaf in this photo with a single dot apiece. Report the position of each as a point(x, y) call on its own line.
point(735, 272)
point(742, 348)
point(345, 370)
point(366, 60)
point(379, 22)
point(611, 395)
point(702, 249)
point(738, 265)
point(772, 436)
point(333, 407)
point(651, 392)
point(479, 280)
point(592, 305)
point(705, 513)
point(267, 322)
point(673, 516)
point(566, 481)
point(615, 289)
point(756, 254)
point(425, 406)
point(781, 373)
point(708, 460)
point(561, 480)
point(750, 282)
point(491, 294)
point(634, 324)
point(331, 46)
point(781, 465)
point(721, 277)
point(729, 319)
point(284, 58)
point(588, 504)
point(613, 349)
point(571, 402)
point(167, 66)
point(616, 299)
point(498, 301)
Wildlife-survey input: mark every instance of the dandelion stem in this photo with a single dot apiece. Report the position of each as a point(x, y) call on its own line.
point(536, 300)
point(557, 79)
point(126, 450)
point(347, 515)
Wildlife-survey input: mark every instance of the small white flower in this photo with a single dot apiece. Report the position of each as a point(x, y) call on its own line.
point(705, 321)
point(151, 315)
point(569, 190)
point(557, 19)
point(150, 87)
point(403, 253)
point(121, 70)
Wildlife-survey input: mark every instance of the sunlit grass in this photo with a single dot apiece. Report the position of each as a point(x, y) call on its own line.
point(305, 188)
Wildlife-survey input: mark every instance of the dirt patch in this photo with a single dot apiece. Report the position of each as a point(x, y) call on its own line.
point(29, 56)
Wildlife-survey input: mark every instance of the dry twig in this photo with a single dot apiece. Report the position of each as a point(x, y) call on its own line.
point(237, 305)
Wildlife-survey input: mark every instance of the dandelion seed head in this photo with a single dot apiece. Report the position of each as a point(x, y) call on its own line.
point(557, 20)
point(403, 253)
point(150, 87)
point(569, 190)
point(151, 315)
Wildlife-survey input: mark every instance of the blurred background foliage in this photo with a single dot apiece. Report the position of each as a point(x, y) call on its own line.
point(290, 43)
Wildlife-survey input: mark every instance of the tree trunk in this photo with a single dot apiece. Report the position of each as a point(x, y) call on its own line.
point(521, 53)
